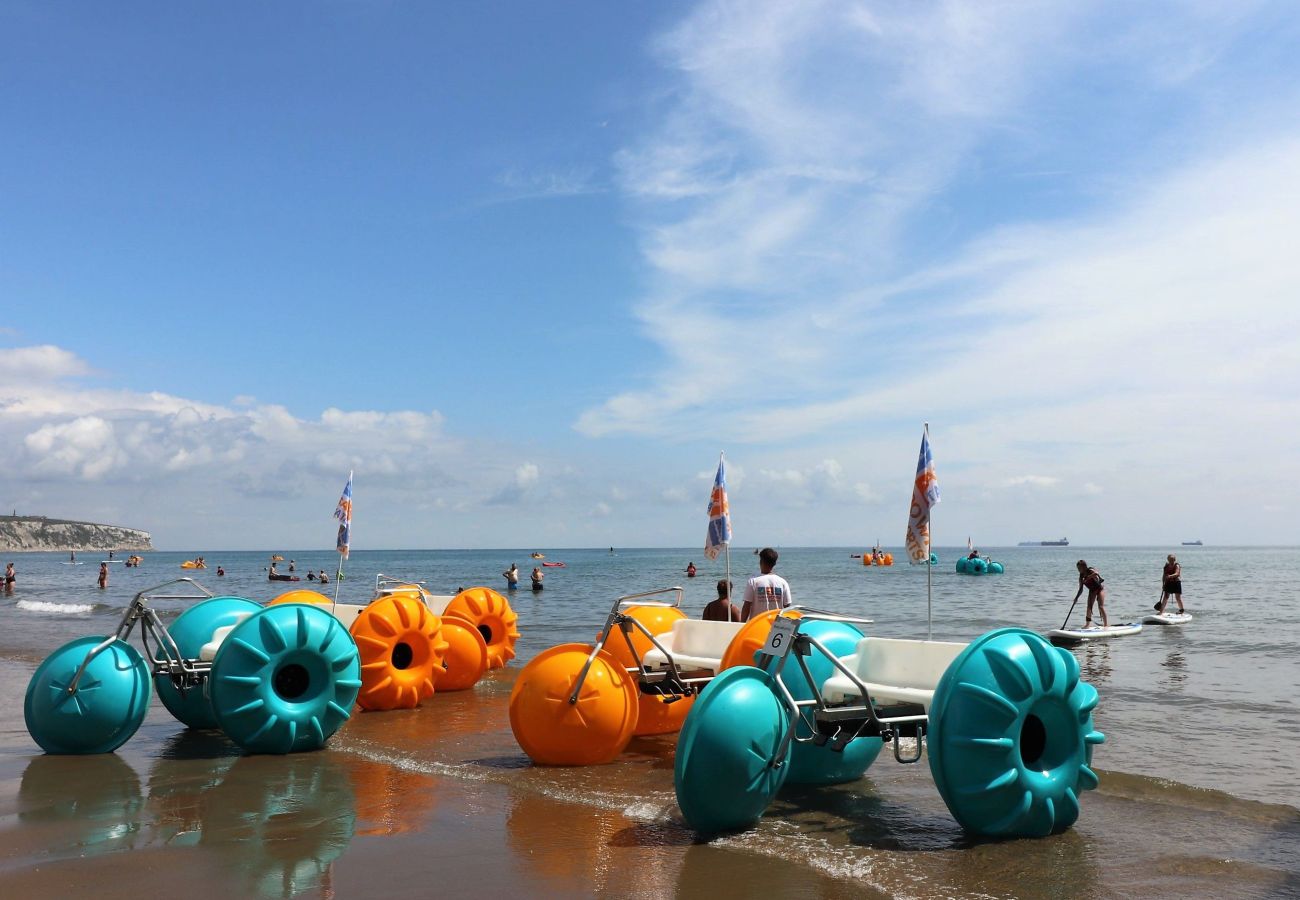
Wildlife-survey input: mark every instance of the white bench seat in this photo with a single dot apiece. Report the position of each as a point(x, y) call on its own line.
point(693, 644)
point(893, 670)
point(208, 651)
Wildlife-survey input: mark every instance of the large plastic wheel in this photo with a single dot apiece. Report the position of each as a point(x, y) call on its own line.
point(401, 649)
point(996, 568)
point(301, 595)
point(654, 716)
point(191, 630)
point(724, 773)
point(1011, 736)
point(285, 679)
point(555, 732)
point(751, 637)
point(809, 763)
point(106, 709)
point(466, 658)
point(491, 614)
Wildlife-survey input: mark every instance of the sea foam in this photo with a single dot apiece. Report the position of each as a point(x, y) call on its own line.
point(47, 607)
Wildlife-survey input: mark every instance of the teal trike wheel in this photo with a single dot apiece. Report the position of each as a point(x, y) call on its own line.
point(106, 709)
point(285, 679)
point(191, 630)
point(1010, 736)
point(724, 773)
point(809, 763)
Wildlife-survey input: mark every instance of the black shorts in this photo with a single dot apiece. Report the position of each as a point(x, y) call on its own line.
point(1174, 586)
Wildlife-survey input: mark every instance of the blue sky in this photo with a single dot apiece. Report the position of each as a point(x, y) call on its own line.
point(528, 268)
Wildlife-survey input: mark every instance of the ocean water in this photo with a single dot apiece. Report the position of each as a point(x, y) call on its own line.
point(1200, 771)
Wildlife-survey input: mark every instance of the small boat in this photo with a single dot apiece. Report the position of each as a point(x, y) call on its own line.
point(1069, 636)
point(538, 555)
point(275, 557)
point(193, 564)
point(1172, 618)
point(276, 576)
point(554, 565)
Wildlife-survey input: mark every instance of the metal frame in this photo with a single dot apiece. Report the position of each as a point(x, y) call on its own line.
point(837, 725)
point(184, 673)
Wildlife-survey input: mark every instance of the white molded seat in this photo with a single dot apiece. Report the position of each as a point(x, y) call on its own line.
point(896, 670)
point(438, 603)
point(208, 651)
point(694, 644)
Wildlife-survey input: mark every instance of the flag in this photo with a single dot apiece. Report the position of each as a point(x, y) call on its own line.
point(969, 545)
point(343, 512)
point(719, 514)
point(925, 494)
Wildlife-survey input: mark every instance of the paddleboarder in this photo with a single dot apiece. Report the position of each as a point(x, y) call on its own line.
point(1091, 579)
point(1171, 583)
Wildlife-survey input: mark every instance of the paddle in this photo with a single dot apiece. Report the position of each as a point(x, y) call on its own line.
point(1071, 612)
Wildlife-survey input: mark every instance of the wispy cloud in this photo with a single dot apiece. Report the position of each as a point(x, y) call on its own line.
point(520, 184)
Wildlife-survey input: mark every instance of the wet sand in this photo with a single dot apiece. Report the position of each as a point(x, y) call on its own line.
point(440, 800)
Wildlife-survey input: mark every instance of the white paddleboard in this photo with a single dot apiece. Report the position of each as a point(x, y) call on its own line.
point(1079, 635)
point(66, 563)
point(1167, 619)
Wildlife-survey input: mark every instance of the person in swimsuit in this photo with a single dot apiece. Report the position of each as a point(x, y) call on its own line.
point(1091, 579)
point(1171, 583)
point(512, 576)
point(10, 578)
point(537, 578)
point(722, 609)
point(103, 575)
point(690, 570)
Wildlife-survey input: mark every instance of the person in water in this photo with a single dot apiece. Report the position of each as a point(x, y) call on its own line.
point(291, 566)
point(311, 576)
point(273, 573)
point(103, 575)
point(72, 556)
point(1091, 579)
point(690, 570)
point(322, 577)
point(512, 576)
point(766, 590)
point(537, 578)
point(722, 609)
point(10, 578)
point(221, 573)
point(1171, 583)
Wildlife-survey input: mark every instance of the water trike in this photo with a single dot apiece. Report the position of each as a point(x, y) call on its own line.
point(1005, 719)
point(978, 565)
point(580, 704)
point(194, 564)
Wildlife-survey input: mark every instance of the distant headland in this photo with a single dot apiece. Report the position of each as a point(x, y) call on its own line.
point(35, 533)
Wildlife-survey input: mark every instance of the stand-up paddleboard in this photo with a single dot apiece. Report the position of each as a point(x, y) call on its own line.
point(1096, 632)
point(1167, 619)
point(67, 563)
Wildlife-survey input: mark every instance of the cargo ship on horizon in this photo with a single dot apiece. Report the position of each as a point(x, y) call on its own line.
point(1063, 542)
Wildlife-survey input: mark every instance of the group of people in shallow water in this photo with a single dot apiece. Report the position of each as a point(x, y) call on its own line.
point(512, 577)
point(1171, 585)
point(763, 592)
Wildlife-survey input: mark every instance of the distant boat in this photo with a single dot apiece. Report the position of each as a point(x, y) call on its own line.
point(1193, 543)
point(1063, 542)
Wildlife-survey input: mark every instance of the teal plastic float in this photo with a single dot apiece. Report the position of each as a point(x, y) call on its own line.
point(1006, 720)
point(191, 630)
point(277, 680)
point(729, 762)
point(978, 566)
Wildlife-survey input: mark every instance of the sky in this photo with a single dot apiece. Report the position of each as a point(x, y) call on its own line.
point(528, 269)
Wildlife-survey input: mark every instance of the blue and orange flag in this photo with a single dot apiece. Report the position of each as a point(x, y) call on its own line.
point(343, 512)
point(925, 494)
point(719, 514)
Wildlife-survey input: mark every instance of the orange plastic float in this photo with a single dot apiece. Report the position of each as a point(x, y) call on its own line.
point(401, 649)
point(594, 728)
point(655, 716)
point(741, 650)
point(466, 657)
point(491, 614)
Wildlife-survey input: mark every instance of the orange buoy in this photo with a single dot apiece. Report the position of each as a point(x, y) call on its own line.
point(300, 596)
point(590, 731)
point(748, 640)
point(491, 614)
point(401, 651)
point(466, 657)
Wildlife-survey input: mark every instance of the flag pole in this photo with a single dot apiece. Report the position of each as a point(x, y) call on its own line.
point(338, 575)
point(929, 595)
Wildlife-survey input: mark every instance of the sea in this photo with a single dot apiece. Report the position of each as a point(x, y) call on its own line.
point(1200, 771)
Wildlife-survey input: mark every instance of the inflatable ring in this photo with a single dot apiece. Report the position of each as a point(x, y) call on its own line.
point(191, 630)
point(107, 708)
point(301, 595)
point(809, 763)
point(285, 679)
point(1011, 736)
point(466, 657)
point(491, 614)
point(555, 732)
point(401, 652)
point(724, 775)
point(654, 716)
point(748, 640)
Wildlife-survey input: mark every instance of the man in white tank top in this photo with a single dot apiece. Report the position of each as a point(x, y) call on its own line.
point(766, 591)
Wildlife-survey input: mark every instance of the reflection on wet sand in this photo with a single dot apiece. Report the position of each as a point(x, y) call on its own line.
point(79, 805)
